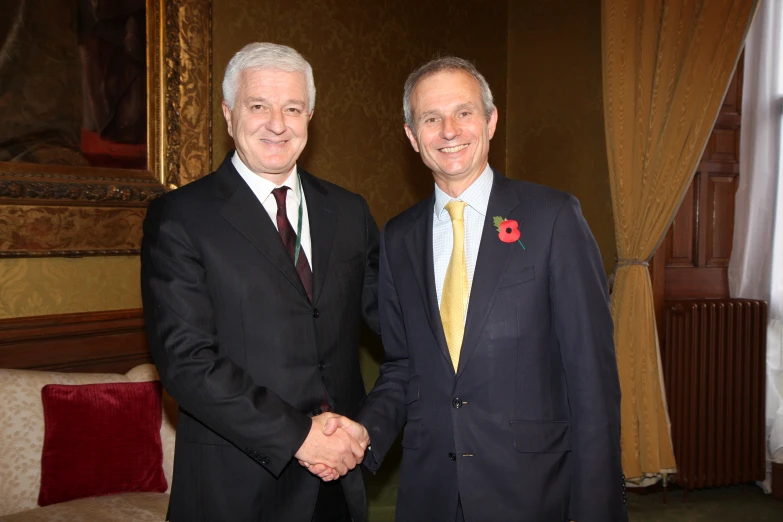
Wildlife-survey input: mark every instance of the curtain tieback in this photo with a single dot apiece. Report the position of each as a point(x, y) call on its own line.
point(629, 262)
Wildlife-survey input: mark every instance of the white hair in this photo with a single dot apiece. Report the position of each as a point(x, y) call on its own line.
point(264, 55)
point(447, 63)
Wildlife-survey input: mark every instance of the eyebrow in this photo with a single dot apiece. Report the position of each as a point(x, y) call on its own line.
point(292, 101)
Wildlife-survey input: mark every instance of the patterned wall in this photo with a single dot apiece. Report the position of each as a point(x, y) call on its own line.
point(60, 286)
point(361, 53)
point(555, 109)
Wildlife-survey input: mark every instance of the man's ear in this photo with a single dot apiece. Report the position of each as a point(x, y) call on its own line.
point(493, 122)
point(412, 138)
point(227, 116)
point(310, 116)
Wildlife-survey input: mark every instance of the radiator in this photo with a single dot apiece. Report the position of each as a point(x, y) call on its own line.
point(714, 356)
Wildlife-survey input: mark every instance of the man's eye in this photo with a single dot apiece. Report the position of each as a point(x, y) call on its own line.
point(294, 110)
point(431, 120)
point(464, 114)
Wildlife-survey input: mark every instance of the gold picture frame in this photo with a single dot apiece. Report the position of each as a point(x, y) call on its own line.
point(58, 210)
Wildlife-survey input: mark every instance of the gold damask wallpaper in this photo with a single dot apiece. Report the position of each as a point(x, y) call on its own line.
point(60, 286)
point(361, 53)
point(24, 228)
point(555, 129)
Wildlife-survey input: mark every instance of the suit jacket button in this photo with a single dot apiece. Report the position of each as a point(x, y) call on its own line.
point(316, 412)
point(457, 403)
point(316, 313)
point(452, 456)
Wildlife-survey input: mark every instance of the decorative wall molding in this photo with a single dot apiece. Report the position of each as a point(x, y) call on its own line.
point(28, 231)
point(65, 189)
point(111, 341)
point(188, 69)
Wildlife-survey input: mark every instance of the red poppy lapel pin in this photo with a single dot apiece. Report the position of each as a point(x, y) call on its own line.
point(508, 230)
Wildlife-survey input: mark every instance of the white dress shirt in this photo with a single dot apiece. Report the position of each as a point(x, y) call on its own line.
point(477, 198)
point(262, 188)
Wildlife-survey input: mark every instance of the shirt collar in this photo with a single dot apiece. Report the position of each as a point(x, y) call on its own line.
point(262, 187)
point(476, 195)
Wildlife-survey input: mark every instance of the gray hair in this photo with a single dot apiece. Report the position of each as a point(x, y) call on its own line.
point(264, 55)
point(447, 63)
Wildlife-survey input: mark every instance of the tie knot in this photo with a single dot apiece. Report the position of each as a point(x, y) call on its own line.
point(280, 193)
point(456, 209)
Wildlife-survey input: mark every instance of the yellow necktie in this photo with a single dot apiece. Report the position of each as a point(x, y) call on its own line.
point(454, 300)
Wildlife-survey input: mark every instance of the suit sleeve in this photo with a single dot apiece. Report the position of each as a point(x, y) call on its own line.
point(180, 323)
point(384, 411)
point(584, 329)
point(370, 289)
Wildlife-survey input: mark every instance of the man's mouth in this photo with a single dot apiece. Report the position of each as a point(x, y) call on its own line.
point(453, 149)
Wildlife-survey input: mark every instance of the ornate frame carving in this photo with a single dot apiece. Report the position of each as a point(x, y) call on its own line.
point(53, 210)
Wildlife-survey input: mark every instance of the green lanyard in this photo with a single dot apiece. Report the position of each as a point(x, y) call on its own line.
point(299, 225)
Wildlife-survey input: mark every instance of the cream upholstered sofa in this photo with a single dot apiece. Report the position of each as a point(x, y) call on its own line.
point(21, 444)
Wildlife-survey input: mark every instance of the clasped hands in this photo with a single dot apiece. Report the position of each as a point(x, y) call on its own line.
point(334, 446)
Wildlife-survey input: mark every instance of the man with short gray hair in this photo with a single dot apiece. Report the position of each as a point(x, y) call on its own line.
point(254, 280)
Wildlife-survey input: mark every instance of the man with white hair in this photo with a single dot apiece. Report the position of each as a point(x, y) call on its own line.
point(254, 280)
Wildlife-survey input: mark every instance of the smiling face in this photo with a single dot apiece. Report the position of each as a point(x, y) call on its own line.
point(451, 131)
point(269, 121)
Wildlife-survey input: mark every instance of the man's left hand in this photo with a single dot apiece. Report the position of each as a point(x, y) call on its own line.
point(332, 424)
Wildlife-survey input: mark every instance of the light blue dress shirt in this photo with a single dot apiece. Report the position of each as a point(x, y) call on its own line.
point(477, 198)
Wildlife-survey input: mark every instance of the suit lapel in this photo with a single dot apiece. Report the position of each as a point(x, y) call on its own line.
point(322, 227)
point(419, 243)
point(492, 262)
point(245, 213)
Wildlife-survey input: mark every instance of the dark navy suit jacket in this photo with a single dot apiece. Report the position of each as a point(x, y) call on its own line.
point(528, 429)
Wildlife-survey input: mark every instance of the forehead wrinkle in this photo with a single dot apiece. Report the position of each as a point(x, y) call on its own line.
point(263, 99)
point(438, 111)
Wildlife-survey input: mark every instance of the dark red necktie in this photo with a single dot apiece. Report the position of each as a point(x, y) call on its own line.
point(288, 235)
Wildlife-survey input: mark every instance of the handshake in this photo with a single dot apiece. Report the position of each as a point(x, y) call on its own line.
point(334, 446)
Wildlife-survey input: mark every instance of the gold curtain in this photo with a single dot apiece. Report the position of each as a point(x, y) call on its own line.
point(666, 66)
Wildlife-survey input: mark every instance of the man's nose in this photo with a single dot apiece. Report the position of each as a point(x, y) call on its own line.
point(449, 130)
point(276, 123)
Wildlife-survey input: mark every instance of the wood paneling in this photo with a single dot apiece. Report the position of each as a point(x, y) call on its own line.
point(707, 282)
point(681, 241)
point(732, 102)
point(112, 341)
point(720, 215)
point(697, 246)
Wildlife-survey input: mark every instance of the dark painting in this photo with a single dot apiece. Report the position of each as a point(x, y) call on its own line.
point(73, 84)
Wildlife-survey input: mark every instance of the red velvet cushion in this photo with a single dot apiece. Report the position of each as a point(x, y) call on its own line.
point(101, 439)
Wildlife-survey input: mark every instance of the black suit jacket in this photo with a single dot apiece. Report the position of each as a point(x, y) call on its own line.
point(241, 348)
point(528, 430)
